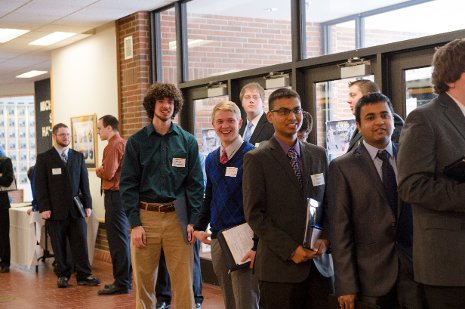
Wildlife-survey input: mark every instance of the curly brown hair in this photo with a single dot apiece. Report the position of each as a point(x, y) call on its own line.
point(160, 91)
point(448, 65)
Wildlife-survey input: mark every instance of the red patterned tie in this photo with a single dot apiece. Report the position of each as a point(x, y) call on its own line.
point(224, 157)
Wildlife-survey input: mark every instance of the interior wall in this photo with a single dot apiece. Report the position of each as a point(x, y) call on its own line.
point(84, 82)
point(19, 89)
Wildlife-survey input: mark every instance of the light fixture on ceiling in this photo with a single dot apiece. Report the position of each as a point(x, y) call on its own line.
point(7, 34)
point(52, 38)
point(31, 74)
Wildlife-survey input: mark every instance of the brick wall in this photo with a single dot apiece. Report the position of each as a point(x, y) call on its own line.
point(134, 73)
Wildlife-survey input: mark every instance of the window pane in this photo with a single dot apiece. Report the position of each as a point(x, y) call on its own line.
point(229, 36)
point(418, 90)
point(334, 120)
point(342, 37)
point(417, 21)
point(168, 46)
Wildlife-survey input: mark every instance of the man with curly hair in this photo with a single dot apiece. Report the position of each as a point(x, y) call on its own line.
point(162, 191)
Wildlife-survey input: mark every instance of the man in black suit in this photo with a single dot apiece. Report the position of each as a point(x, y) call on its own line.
point(257, 128)
point(357, 89)
point(61, 177)
point(371, 230)
point(433, 138)
point(6, 177)
point(279, 177)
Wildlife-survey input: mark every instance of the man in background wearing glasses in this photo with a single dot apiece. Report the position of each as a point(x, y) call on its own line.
point(256, 129)
point(279, 176)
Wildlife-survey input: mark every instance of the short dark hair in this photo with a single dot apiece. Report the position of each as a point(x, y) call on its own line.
point(365, 86)
point(448, 65)
point(307, 124)
point(109, 120)
point(371, 98)
point(159, 91)
point(281, 93)
point(57, 127)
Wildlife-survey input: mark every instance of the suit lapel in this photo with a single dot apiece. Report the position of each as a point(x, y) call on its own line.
point(258, 128)
point(306, 165)
point(371, 169)
point(453, 113)
point(283, 162)
point(355, 141)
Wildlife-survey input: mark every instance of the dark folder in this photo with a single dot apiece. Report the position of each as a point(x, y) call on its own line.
point(334, 304)
point(229, 243)
point(79, 206)
point(456, 170)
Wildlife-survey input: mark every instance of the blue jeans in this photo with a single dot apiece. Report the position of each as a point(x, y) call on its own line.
point(163, 287)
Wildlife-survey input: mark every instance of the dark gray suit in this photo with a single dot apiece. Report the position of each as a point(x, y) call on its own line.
point(275, 207)
point(264, 130)
point(432, 138)
point(56, 184)
point(368, 240)
point(357, 136)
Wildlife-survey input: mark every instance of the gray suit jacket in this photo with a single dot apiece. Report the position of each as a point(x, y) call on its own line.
point(432, 138)
point(263, 132)
point(275, 207)
point(363, 227)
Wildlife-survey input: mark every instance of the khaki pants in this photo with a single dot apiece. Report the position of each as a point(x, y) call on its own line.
point(162, 231)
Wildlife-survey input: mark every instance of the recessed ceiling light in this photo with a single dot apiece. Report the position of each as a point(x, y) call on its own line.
point(7, 34)
point(31, 74)
point(271, 9)
point(52, 38)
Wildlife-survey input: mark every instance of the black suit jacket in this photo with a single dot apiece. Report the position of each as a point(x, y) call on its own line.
point(275, 206)
point(6, 169)
point(56, 183)
point(357, 136)
point(366, 236)
point(264, 130)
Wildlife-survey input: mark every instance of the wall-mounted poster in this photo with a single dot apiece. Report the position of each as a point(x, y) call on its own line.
point(338, 135)
point(84, 138)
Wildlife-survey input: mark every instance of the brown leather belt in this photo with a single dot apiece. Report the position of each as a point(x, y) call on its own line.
point(158, 207)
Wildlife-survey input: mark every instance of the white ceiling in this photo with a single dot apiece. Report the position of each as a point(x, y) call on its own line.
point(42, 17)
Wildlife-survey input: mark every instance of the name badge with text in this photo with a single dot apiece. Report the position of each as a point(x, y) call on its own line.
point(56, 171)
point(179, 162)
point(231, 172)
point(318, 179)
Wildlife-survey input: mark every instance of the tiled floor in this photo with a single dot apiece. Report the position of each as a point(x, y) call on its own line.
point(24, 289)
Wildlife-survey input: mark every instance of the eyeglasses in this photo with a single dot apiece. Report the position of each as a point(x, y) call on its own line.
point(286, 111)
point(254, 97)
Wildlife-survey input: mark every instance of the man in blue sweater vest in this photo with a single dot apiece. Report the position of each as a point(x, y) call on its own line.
point(223, 207)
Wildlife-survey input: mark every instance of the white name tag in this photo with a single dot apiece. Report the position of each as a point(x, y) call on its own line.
point(231, 172)
point(257, 144)
point(56, 171)
point(318, 179)
point(179, 162)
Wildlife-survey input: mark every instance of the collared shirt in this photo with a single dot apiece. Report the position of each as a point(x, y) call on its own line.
point(233, 148)
point(65, 150)
point(161, 168)
point(461, 106)
point(255, 122)
point(111, 163)
point(286, 148)
point(373, 151)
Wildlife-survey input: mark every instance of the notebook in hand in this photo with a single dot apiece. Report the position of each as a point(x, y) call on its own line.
point(79, 206)
point(235, 242)
point(456, 170)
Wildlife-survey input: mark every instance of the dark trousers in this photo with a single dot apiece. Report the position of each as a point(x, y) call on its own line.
point(5, 237)
point(163, 287)
point(117, 227)
point(440, 297)
point(312, 293)
point(74, 231)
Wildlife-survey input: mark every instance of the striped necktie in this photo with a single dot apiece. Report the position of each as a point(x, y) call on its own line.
point(292, 155)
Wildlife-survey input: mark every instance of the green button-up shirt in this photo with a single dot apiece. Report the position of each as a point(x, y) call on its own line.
point(161, 169)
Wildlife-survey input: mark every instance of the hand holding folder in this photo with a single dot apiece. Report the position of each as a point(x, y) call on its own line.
point(235, 242)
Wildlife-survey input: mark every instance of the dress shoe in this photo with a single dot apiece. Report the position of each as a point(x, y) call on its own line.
point(62, 282)
point(198, 306)
point(163, 305)
point(5, 269)
point(111, 289)
point(90, 281)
